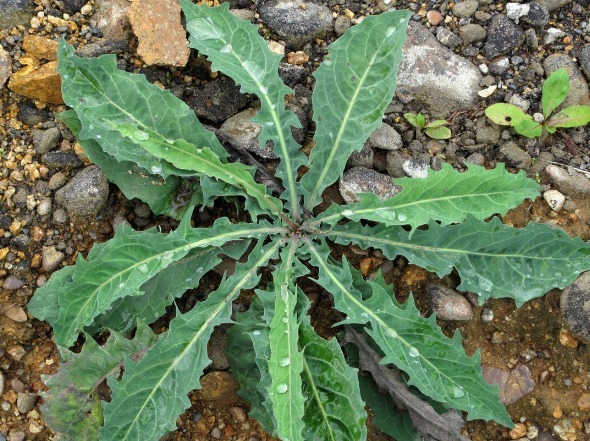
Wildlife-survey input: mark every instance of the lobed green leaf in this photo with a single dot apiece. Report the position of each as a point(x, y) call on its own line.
point(445, 196)
point(492, 259)
point(153, 391)
point(353, 88)
point(434, 363)
point(234, 47)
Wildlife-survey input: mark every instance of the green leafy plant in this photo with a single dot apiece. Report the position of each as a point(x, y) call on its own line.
point(555, 90)
point(435, 129)
point(300, 386)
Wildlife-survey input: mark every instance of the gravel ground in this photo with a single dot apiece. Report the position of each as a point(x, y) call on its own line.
point(55, 204)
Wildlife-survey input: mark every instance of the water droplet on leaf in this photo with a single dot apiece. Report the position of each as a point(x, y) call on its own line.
point(458, 392)
point(143, 268)
point(282, 388)
point(226, 49)
point(413, 352)
point(391, 333)
point(141, 135)
point(284, 362)
point(402, 217)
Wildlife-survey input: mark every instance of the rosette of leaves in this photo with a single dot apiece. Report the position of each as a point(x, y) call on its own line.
point(299, 385)
point(436, 129)
point(555, 90)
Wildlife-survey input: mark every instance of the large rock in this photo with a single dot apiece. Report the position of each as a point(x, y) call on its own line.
point(5, 66)
point(575, 307)
point(85, 195)
point(217, 100)
point(439, 80)
point(242, 132)
point(16, 12)
point(112, 18)
point(552, 5)
point(40, 47)
point(364, 180)
point(503, 36)
point(295, 21)
point(161, 37)
point(42, 83)
point(578, 93)
point(513, 385)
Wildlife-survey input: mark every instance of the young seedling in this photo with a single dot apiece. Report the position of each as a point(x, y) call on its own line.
point(299, 385)
point(554, 92)
point(436, 129)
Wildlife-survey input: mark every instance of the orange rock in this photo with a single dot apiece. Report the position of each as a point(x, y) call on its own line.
point(219, 389)
point(584, 402)
point(42, 83)
point(161, 37)
point(566, 338)
point(297, 58)
point(518, 431)
point(557, 412)
point(40, 47)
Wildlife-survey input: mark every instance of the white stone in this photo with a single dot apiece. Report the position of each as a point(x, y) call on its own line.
point(552, 34)
point(517, 10)
point(484, 93)
point(554, 199)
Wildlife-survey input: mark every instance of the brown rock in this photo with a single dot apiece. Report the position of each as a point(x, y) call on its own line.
point(513, 385)
point(5, 66)
point(162, 39)
point(584, 402)
point(219, 389)
point(16, 313)
point(42, 83)
point(518, 431)
point(40, 47)
point(567, 339)
point(434, 18)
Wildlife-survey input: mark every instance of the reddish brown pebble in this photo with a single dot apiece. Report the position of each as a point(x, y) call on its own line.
point(584, 402)
point(518, 431)
point(434, 18)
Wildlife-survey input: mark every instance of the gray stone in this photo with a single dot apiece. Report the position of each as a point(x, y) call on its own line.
point(569, 182)
point(486, 131)
point(531, 38)
point(395, 164)
point(578, 93)
point(364, 158)
point(537, 16)
point(16, 12)
point(71, 6)
point(503, 36)
point(513, 155)
point(447, 37)
point(448, 304)
point(26, 402)
point(415, 168)
point(58, 180)
point(472, 32)
point(5, 66)
point(16, 435)
point(102, 47)
point(296, 24)
point(552, 5)
point(218, 100)
point(465, 9)
point(552, 35)
point(476, 158)
point(112, 18)
point(433, 76)
point(242, 132)
point(292, 75)
point(575, 306)
point(500, 65)
point(46, 140)
point(61, 160)
point(364, 180)
point(216, 349)
point(513, 385)
point(385, 138)
point(32, 116)
point(51, 258)
point(515, 11)
point(341, 25)
point(85, 195)
point(12, 282)
point(583, 59)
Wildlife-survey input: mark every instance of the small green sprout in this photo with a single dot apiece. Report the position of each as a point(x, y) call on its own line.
point(436, 129)
point(555, 90)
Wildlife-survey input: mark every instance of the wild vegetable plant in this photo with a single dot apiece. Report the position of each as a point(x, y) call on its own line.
point(436, 129)
point(555, 90)
point(300, 386)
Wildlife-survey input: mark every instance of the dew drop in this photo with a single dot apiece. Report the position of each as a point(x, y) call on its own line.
point(364, 314)
point(121, 285)
point(389, 31)
point(168, 255)
point(558, 274)
point(141, 135)
point(391, 333)
point(282, 388)
point(285, 320)
point(327, 62)
point(98, 136)
point(263, 90)
point(155, 169)
point(143, 268)
point(226, 49)
point(458, 392)
point(347, 213)
point(283, 362)
point(273, 106)
point(91, 127)
point(402, 217)
point(413, 352)
point(257, 332)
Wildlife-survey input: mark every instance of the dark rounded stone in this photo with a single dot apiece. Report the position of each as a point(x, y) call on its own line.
point(537, 17)
point(575, 307)
point(70, 6)
point(218, 100)
point(503, 36)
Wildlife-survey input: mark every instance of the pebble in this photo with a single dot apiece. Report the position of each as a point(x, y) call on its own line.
point(565, 430)
point(44, 206)
point(12, 282)
point(218, 100)
point(584, 402)
point(16, 12)
point(513, 385)
point(86, 193)
point(16, 436)
point(385, 138)
point(537, 16)
point(16, 313)
point(552, 5)
point(112, 19)
point(17, 352)
point(448, 38)
point(216, 433)
point(72, 6)
point(448, 304)
point(568, 182)
point(2, 382)
point(218, 388)
point(516, 10)
point(435, 77)
point(552, 35)
point(52, 258)
point(58, 180)
point(17, 385)
point(583, 59)
point(434, 18)
point(554, 199)
point(518, 431)
point(363, 180)
point(296, 22)
point(364, 158)
point(341, 25)
point(5, 66)
point(45, 140)
point(574, 307)
point(465, 9)
point(39, 82)
point(62, 160)
point(241, 131)
point(416, 168)
point(239, 414)
point(503, 36)
point(513, 155)
point(472, 32)
point(25, 402)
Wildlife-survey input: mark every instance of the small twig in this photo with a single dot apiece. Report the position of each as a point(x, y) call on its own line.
point(427, 422)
